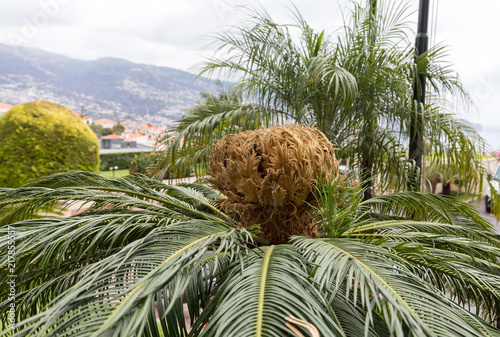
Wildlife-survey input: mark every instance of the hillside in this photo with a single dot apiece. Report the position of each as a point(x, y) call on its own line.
point(104, 87)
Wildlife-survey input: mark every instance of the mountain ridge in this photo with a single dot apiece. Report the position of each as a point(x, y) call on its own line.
point(105, 87)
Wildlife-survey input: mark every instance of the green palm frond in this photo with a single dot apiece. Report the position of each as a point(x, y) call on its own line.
point(357, 87)
point(255, 300)
point(103, 195)
point(424, 207)
point(338, 204)
point(125, 285)
point(381, 282)
point(468, 280)
point(55, 254)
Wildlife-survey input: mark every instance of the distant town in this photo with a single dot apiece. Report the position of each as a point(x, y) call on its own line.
point(120, 136)
point(125, 136)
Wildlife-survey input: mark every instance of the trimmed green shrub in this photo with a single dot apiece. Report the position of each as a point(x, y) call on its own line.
point(41, 138)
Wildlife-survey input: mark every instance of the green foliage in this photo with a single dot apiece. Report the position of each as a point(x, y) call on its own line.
point(97, 130)
point(106, 131)
point(100, 131)
point(356, 86)
point(142, 162)
point(41, 138)
point(124, 160)
point(402, 264)
point(118, 129)
point(337, 199)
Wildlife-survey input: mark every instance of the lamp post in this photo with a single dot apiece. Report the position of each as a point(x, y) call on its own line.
point(113, 169)
point(417, 123)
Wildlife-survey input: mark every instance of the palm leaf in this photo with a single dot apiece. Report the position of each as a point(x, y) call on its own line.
point(255, 300)
point(424, 207)
point(387, 289)
point(113, 297)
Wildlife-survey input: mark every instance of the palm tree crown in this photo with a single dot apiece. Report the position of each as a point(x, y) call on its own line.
point(357, 87)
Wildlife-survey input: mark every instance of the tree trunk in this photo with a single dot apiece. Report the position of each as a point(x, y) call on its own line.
point(367, 180)
point(446, 188)
point(434, 185)
point(367, 158)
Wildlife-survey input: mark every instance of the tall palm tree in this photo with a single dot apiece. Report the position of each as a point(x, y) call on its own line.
point(357, 87)
point(402, 264)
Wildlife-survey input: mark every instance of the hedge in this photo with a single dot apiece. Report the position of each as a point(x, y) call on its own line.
point(41, 138)
point(121, 159)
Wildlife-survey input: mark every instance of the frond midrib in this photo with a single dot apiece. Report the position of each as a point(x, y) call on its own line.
point(262, 291)
point(140, 285)
point(372, 272)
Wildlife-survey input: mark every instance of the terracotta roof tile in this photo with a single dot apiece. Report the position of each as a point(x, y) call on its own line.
point(133, 135)
point(111, 136)
point(103, 121)
point(5, 106)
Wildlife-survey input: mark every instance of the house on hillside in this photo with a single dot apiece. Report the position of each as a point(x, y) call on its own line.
point(114, 141)
point(105, 123)
point(139, 138)
point(129, 126)
point(150, 130)
point(4, 107)
point(86, 119)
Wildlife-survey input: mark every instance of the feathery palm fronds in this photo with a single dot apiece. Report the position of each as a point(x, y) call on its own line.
point(402, 264)
point(356, 86)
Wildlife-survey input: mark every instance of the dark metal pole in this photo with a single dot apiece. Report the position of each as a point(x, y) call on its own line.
point(417, 125)
point(366, 162)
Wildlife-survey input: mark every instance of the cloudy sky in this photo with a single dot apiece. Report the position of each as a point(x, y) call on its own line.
point(175, 33)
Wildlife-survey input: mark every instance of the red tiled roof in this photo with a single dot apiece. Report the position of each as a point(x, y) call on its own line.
point(111, 136)
point(82, 116)
point(151, 127)
point(104, 121)
point(5, 106)
point(133, 135)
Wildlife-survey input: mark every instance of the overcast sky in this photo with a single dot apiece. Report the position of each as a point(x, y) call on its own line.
point(175, 33)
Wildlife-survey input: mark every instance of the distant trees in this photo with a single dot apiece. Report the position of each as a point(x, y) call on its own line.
point(100, 131)
point(41, 138)
point(118, 129)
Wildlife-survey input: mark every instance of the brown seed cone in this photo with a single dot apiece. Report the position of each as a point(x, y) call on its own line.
point(269, 177)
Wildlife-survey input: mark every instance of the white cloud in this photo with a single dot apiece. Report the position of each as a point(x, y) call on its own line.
point(121, 28)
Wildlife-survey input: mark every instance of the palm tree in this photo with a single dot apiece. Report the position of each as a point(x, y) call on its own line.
point(356, 87)
point(401, 264)
point(187, 153)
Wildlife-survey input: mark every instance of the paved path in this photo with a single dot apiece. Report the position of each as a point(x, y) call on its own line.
point(486, 215)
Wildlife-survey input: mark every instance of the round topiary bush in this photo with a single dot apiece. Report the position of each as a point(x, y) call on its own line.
point(269, 177)
point(41, 138)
